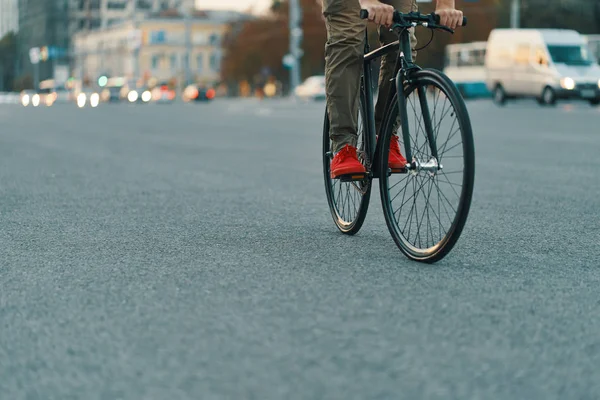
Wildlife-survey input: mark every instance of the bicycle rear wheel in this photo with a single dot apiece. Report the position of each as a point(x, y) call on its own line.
point(426, 208)
point(348, 200)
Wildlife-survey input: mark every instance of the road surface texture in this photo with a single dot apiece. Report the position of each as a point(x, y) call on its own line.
point(186, 251)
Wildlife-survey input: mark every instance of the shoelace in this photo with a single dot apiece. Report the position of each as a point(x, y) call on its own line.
point(344, 153)
point(395, 144)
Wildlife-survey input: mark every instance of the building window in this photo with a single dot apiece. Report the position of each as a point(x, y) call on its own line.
point(155, 60)
point(214, 39)
point(215, 62)
point(200, 62)
point(157, 37)
point(116, 5)
point(173, 61)
point(144, 5)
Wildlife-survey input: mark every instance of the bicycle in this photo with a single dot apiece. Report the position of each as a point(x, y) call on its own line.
point(434, 161)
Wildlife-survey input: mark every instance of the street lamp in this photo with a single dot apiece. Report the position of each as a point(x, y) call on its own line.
point(515, 17)
point(295, 39)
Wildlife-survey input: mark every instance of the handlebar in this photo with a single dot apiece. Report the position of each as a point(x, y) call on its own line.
point(432, 20)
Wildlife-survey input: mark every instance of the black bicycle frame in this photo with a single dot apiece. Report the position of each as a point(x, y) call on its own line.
point(403, 71)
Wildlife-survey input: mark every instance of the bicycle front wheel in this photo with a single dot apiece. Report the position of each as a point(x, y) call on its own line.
point(348, 200)
point(426, 207)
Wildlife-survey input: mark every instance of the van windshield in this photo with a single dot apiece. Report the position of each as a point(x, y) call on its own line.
point(570, 55)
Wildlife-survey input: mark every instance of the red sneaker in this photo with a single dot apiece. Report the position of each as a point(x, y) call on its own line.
point(396, 160)
point(345, 162)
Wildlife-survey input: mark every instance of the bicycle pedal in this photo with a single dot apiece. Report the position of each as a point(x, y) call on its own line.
point(352, 177)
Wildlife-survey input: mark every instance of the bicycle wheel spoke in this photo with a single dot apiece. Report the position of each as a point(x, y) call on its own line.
point(444, 112)
point(444, 196)
point(411, 212)
point(397, 194)
point(347, 199)
point(435, 215)
point(410, 198)
point(400, 208)
point(451, 187)
point(420, 223)
point(443, 147)
point(400, 181)
point(448, 182)
point(427, 206)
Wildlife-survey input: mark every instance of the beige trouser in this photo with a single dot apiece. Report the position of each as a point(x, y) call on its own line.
point(344, 52)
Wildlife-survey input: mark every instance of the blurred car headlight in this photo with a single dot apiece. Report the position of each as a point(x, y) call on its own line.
point(94, 99)
point(81, 99)
point(132, 96)
point(35, 100)
point(25, 100)
point(567, 83)
point(146, 96)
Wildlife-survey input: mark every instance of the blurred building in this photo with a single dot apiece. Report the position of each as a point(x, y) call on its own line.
point(92, 14)
point(42, 23)
point(9, 16)
point(50, 25)
point(155, 47)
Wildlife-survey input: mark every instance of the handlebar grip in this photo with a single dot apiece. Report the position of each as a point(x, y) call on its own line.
point(364, 14)
point(437, 19)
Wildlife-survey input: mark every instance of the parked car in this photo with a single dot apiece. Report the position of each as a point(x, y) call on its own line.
point(88, 97)
point(313, 88)
point(112, 93)
point(545, 64)
point(27, 98)
point(163, 93)
point(141, 94)
point(198, 93)
point(62, 95)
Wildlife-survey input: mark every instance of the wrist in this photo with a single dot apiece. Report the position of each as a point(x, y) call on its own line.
point(445, 4)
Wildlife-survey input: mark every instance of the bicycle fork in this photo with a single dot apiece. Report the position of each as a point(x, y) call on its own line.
point(415, 165)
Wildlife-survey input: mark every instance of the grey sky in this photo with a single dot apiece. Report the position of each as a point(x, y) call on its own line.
point(241, 5)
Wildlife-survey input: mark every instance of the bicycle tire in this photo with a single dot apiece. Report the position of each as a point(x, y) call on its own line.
point(440, 248)
point(347, 222)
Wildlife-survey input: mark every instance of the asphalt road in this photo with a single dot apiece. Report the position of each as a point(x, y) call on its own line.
point(187, 252)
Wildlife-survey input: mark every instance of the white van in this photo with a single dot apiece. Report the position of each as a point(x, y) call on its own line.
point(546, 64)
point(593, 42)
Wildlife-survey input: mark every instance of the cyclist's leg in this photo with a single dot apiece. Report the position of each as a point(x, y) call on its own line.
point(388, 61)
point(343, 65)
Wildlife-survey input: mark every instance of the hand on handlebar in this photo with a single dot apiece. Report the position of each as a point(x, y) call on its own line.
point(449, 17)
point(379, 13)
point(433, 20)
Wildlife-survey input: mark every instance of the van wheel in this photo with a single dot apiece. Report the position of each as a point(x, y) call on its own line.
point(499, 95)
point(595, 102)
point(548, 97)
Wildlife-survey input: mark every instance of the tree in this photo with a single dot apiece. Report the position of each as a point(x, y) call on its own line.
point(8, 57)
point(579, 15)
point(258, 46)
